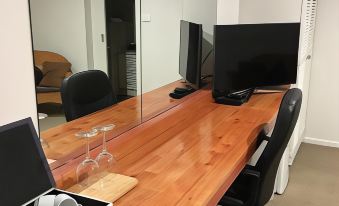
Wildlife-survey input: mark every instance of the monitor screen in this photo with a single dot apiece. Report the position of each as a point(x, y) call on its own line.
point(254, 55)
point(24, 173)
point(190, 52)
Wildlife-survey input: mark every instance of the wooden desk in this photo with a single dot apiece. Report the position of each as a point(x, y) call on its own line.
point(188, 155)
point(64, 145)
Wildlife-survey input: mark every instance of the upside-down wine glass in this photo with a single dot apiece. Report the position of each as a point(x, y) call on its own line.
point(88, 167)
point(105, 159)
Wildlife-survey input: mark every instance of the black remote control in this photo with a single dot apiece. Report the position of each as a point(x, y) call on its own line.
point(179, 93)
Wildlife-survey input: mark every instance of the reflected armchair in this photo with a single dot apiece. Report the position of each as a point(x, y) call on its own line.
point(50, 69)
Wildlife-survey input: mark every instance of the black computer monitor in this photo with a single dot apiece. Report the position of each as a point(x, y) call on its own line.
point(190, 53)
point(23, 177)
point(254, 55)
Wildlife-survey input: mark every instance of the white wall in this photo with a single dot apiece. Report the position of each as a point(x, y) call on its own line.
point(269, 11)
point(16, 63)
point(323, 105)
point(228, 12)
point(258, 11)
point(160, 37)
point(59, 26)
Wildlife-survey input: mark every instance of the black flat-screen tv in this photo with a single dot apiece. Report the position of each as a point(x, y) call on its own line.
point(190, 53)
point(254, 55)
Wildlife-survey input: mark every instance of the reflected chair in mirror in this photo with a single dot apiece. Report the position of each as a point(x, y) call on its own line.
point(86, 92)
point(255, 184)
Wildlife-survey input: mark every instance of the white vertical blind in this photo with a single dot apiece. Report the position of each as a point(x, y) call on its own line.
point(307, 29)
point(304, 70)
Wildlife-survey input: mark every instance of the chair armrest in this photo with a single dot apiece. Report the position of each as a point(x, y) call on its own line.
point(40, 89)
point(249, 180)
point(255, 183)
point(262, 137)
point(230, 201)
point(251, 172)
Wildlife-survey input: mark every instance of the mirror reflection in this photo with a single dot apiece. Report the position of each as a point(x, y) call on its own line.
point(177, 39)
point(85, 68)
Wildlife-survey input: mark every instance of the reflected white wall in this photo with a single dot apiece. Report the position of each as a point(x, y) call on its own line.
point(59, 26)
point(99, 40)
point(160, 42)
point(160, 36)
point(202, 12)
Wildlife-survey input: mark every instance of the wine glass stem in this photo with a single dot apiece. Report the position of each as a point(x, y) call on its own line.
point(104, 147)
point(87, 148)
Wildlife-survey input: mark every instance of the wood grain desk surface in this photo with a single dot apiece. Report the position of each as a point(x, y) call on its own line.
point(188, 155)
point(64, 145)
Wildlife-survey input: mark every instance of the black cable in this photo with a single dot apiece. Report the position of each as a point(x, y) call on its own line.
point(208, 54)
point(204, 77)
point(203, 62)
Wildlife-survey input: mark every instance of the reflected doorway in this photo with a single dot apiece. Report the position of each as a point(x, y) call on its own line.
point(121, 47)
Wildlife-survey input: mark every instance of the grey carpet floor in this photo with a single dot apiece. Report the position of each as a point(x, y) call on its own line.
point(51, 121)
point(314, 178)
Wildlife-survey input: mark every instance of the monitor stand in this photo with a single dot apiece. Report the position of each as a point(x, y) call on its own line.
point(235, 98)
point(179, 92)
point(271, 89)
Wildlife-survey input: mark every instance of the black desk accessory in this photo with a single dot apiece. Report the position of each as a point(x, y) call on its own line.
point(235, 98)
point(179, 92)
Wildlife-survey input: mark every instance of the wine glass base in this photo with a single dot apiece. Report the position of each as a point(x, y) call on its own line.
point(90, 161)
point(86, 169)
point(105, 160)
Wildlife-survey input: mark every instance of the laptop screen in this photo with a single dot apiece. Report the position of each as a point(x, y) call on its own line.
point(24, 171)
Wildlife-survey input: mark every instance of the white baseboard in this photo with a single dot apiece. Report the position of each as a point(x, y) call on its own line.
point(321, 142)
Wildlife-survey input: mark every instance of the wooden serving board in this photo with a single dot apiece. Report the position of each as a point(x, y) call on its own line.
point(108, 188)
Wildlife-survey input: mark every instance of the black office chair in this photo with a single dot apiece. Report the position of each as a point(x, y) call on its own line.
point(255, 185)
point(86, 92)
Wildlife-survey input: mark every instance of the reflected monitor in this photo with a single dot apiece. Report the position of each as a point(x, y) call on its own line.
point(190, 53)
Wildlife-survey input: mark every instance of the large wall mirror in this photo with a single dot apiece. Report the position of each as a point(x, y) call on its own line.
point(139, 45)
point(164, 45)
point(70, 38)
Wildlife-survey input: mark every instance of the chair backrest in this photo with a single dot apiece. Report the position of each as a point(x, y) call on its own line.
point(86, 92)
point(269, 160)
